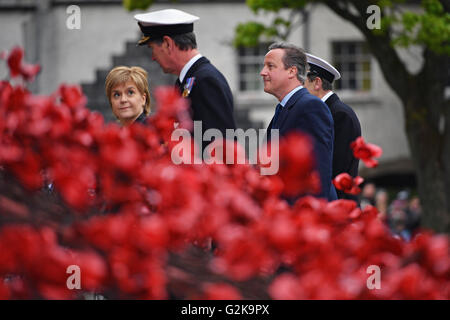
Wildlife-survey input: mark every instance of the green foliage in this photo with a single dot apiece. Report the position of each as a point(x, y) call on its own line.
point(275, 6)
point(386, 22)
point(410, 20)
point(433, 7)
point(131, 5)
point(389, 3)
point(430, 28)
point(384, 4)
point(281, 22)
point(251, 33)
point(435, 33)
point(248, 34)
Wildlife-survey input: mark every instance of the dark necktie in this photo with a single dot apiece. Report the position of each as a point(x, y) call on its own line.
point(178, 84)
point(277, 113)
point(272, 123)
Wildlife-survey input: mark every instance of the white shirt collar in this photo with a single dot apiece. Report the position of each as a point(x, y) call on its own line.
point(325, 97)
point(289, 95)
point(187, 66)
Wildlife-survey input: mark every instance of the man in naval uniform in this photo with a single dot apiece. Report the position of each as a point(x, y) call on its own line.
point(169, 33)
point(346, 124)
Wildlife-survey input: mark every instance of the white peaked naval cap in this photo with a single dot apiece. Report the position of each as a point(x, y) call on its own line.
point(322, 68)
point(167, 22)
point(165, 17)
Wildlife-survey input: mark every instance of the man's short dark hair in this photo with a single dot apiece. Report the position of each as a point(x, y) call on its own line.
point(326, 85)
point(184, 41)
point(293, 57)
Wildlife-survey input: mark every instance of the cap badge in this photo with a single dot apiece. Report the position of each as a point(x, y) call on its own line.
point(143, 40)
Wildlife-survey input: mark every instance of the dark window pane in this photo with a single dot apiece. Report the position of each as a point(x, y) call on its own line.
point(338, 66)
point(365, 48)
point(351, 48)
point(336, 48)
point(352, 67)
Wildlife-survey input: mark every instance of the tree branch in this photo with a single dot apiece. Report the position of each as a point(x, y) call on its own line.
point(379, 44)
point(446, 5)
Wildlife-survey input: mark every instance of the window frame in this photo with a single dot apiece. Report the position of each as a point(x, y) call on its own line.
point(353, 82)
point(250, 82)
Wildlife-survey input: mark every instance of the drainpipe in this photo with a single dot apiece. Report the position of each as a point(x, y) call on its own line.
point(34, 38)
point(306, 28)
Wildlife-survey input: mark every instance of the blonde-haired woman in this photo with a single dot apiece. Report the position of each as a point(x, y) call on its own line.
point(128, 94)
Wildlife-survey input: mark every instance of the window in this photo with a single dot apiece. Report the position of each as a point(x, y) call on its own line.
point(352, 59)
point(251, 61)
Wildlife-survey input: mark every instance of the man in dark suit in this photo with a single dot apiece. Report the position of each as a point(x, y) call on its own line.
point(169, 33)
point(284, 73)
point(346, 124)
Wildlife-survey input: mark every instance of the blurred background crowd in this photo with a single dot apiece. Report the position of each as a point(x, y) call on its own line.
point(400, 210)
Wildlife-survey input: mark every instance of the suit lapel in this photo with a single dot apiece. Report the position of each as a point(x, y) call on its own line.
point(179, 85)
point(190, 73)
point(291, 102)
point(270, 125)
point(331, 101)
point(193, 69)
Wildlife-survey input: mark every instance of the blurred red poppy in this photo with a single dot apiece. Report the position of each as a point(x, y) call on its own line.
point(366, 151)
point(347, 183)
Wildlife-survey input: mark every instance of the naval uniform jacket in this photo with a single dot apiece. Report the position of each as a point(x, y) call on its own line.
point(310, 115)
point(346, 129)
point(210, 96)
